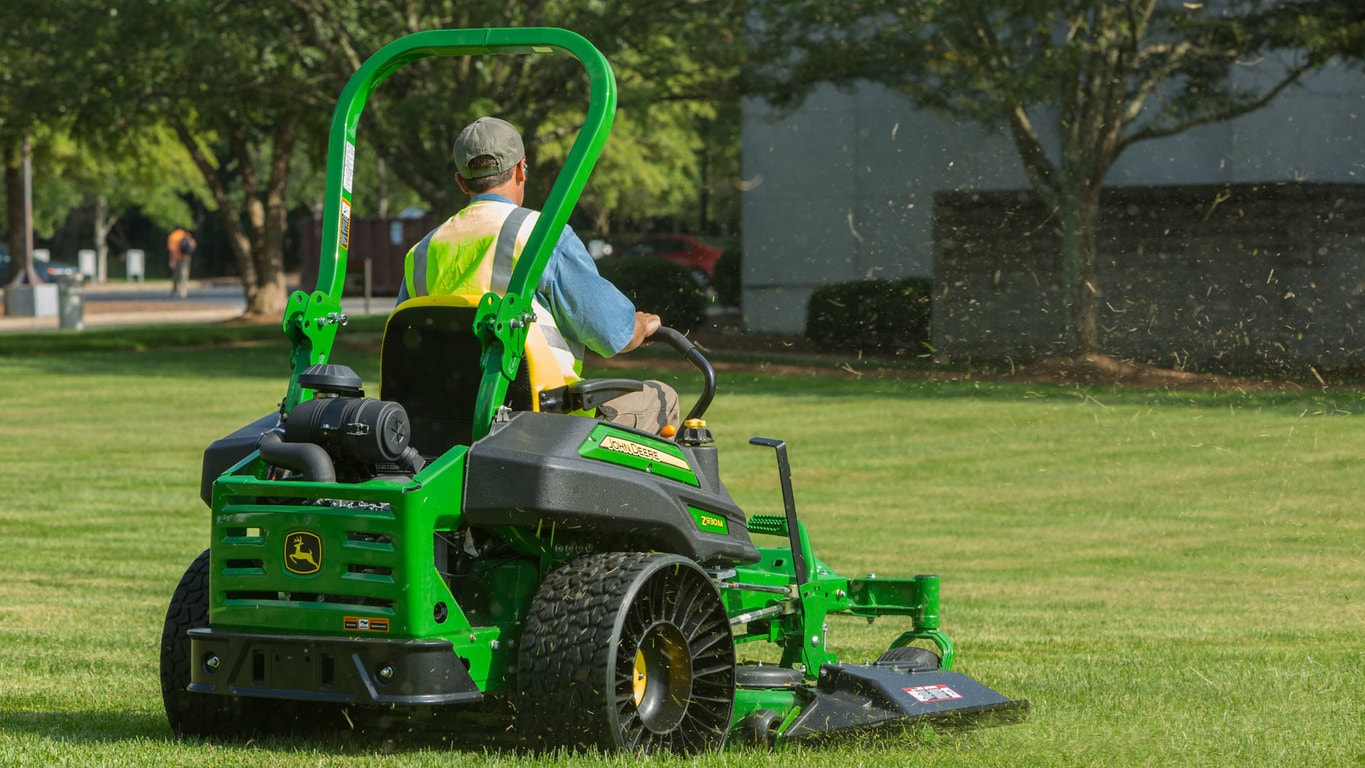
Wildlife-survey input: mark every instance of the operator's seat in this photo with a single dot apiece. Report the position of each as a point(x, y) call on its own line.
point(430, 364)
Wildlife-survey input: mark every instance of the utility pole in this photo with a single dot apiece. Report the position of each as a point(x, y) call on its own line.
point(22, 280)
point(30, 273)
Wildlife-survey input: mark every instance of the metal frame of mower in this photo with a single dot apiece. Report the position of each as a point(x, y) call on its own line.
point(589, 579)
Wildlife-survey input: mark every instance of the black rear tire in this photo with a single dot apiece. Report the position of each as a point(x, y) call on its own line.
point(627, 651)
point(192, 714)
point(188, 714)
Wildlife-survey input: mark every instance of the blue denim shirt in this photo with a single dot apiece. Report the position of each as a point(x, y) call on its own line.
point(587, 308)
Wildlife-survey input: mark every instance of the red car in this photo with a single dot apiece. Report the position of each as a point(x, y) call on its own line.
point(691, 252)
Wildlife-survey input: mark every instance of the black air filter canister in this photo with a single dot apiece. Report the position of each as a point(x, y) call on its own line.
point(357, 429)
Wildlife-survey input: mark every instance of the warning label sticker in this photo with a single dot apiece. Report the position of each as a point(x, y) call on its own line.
point(345, 224)
point(361, 624)
point(928, 693)
point(348, 168)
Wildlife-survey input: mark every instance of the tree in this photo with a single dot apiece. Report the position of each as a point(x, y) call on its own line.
point(250, 98)
point(25, 95)
point(66, 92)
point(1326, 28)
point(672, 60)
point(232, 82)
point(1094, 77)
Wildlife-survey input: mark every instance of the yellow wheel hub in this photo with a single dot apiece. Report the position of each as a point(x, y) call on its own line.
point(641, 676)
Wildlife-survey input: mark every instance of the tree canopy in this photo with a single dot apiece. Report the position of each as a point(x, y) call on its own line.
point(673, 60)
point(246, 89)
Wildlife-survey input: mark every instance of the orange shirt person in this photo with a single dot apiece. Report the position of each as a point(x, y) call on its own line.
point(180, 247)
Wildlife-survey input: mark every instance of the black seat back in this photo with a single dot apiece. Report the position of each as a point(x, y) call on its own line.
point(429, 364)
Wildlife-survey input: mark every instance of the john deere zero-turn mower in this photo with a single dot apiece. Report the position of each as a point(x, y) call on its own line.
point(474, 539)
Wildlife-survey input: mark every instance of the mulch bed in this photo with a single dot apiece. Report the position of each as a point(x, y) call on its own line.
point(785, 354)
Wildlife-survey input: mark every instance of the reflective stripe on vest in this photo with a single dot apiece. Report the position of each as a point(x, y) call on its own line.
point(474, 252)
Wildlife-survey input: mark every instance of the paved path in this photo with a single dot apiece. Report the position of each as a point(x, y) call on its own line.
point(209, 301)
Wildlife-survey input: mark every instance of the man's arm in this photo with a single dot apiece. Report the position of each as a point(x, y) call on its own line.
point(645, 326)
point(587, 308)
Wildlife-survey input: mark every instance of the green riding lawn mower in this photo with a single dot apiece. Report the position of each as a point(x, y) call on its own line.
point(470, 544)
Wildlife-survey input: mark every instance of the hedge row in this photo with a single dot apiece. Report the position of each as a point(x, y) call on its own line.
point(889, 317)
point(728, 278)
point(659, 286)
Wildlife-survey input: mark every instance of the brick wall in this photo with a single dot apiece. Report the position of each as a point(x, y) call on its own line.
point(1216, 278)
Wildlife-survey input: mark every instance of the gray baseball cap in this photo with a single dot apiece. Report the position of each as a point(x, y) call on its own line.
point(488, 136)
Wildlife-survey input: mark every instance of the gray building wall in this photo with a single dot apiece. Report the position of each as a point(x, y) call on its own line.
point(843, 188)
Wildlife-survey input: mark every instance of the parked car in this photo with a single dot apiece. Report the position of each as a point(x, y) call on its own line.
point(690, 251)
point(48, 271)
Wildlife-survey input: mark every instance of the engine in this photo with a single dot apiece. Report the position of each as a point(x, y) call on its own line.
point(341, 435)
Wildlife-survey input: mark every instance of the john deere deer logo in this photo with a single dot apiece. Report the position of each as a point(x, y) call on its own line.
point(303, 553)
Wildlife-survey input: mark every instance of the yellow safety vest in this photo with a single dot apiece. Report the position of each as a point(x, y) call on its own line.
point(474, 252)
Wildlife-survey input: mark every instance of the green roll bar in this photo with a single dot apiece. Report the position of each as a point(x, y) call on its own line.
point(311, 320)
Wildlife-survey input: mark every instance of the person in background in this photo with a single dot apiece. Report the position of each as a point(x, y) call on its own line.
point(180, 247)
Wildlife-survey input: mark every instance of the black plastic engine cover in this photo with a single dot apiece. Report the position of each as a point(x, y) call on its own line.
point(227, 451)
point(530, 474)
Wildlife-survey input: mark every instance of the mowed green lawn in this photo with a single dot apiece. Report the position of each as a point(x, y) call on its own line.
point(1172, 579)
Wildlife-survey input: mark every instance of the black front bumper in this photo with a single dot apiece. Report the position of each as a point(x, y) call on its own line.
point(329, 670)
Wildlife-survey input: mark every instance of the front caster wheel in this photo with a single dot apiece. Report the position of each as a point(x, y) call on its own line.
point(911, 657)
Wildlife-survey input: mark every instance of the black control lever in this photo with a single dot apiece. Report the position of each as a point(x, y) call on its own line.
point(689, 351)
point(586, 394)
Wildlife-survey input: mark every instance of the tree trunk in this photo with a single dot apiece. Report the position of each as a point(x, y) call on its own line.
point(102, 226)
point(256, 240)
point(381, 188)
point(270, 297)
point(271, 290)
point(1079, 215)
point(14, 208)
point(19, 212)
point(238, 241)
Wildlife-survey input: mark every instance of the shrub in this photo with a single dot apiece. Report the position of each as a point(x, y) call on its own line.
point(659, 286)
point(728, 280)
point(882, 316)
